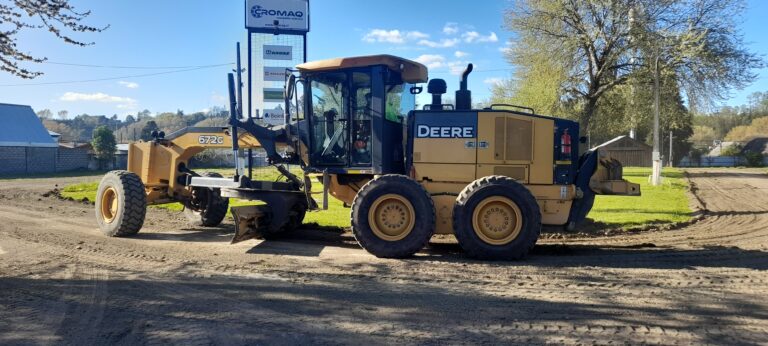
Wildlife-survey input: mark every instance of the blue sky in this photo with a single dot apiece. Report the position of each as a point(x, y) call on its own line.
point(443, 34)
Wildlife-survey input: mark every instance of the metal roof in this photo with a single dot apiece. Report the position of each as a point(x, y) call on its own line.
point(20, 127)
point(411, 71)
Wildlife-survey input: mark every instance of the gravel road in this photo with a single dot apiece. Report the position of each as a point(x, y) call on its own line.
point(63, 282)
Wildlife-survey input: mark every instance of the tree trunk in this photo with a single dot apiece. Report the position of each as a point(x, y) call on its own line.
point(584, 121)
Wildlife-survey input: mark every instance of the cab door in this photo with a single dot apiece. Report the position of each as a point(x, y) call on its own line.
point(329, 119)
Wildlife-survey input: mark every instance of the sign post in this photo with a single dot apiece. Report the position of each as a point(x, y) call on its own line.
point(273, 23)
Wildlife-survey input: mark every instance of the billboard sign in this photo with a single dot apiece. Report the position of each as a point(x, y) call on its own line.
point(272, 52)
point(274, 74)
point(283, 15)
point(273, 95)
point(274, 116)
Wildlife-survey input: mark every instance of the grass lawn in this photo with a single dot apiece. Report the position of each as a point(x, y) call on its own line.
point(335, 216)
point(658, 204)
point(663, 204)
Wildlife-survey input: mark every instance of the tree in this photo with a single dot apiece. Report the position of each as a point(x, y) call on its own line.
point(143, 114)
point(146, 132)
point(598, 45)
point(129, 119)
point(104, 144)
point(63, 114)
point(56, 17)
point(45, 114)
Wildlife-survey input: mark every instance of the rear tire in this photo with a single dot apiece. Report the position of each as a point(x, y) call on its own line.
point(215, 209)
point(496, 218)
point(393, 216)
point(121, 204)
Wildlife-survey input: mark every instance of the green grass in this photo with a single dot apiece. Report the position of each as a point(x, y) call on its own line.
point(335, 216)
point(663, 204)
point(658, 204)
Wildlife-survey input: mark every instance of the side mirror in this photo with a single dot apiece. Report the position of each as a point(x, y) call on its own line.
point(290, 86)
point(583, 140)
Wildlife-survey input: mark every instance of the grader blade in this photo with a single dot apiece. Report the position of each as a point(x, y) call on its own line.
point(250, 220)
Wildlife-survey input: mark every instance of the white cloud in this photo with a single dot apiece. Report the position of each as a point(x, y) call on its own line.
point(432, 61)
point(380, 35)
point(444, 43)
point(459, 54)
point(507, 48)
point(493, 81)
point(218, 98)
point(393, 36)
point(451, 28)
point(129, 85)
point(95, 97)
point(457, 67)
point(474, 36)
point(416, 35)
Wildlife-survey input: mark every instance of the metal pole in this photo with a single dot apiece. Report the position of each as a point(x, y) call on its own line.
point(250, 84)
point(656, 156)
point(670, 149)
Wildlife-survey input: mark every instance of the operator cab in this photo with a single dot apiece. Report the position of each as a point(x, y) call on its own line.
point(356, 109)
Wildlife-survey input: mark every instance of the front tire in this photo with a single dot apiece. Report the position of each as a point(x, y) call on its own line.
point(393, 216)
point(121, 204)
point(496, 218)
point(210, 208)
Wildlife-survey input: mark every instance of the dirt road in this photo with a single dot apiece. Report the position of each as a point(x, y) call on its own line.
point(61, 281)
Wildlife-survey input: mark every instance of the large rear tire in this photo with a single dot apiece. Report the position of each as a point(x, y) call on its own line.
point(496, 218)
point(210, 208)
point(121, 204)
point(393, 216)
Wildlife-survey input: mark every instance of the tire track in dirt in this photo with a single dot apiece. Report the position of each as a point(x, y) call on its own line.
point(701, 284)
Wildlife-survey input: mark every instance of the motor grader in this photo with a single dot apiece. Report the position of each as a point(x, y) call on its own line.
point(492, 176)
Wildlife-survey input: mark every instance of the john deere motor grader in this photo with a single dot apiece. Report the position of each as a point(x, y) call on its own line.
point(492, 177)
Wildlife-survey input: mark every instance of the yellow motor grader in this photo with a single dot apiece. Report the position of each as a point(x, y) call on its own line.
point(492, 176)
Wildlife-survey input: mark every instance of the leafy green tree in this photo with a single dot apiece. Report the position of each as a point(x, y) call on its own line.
point(146, 131)
point(57, 17)
point(588, 48)
point(104, 144)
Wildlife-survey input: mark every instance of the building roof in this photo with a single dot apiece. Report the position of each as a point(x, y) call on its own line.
point(718, 148)
point(20, 127)
point(757, 145)
point(411, 71)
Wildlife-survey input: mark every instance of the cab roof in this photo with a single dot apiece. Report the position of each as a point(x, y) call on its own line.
point(411, 71)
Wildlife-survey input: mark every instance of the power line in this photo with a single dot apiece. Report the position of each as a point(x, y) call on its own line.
point(132, 67)
point(114, 78)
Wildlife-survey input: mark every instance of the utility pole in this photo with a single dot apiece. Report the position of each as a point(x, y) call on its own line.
point(656, 156)
point(670, 149)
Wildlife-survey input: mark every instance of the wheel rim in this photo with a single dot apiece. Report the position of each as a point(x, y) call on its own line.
point(391, 217)
point(497, 220)
point(109, 205)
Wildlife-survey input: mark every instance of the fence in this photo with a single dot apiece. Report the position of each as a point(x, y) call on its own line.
point(717, 161)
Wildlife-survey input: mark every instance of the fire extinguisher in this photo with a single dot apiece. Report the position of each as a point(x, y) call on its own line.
point(565, 144)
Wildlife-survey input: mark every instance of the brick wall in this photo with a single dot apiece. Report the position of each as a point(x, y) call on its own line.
point(27, 160)
point(13, 160)
point(70, 159)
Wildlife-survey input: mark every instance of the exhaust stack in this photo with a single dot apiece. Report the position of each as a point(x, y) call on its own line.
point(464, 95)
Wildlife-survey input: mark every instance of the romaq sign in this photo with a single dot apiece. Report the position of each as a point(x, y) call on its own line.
point(285, 15)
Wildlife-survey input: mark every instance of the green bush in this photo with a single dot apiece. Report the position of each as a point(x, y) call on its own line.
point(754, 159)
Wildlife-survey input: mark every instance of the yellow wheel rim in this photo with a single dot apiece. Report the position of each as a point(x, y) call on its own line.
point(391, 217)
point(497, 220)
point(109, 205)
